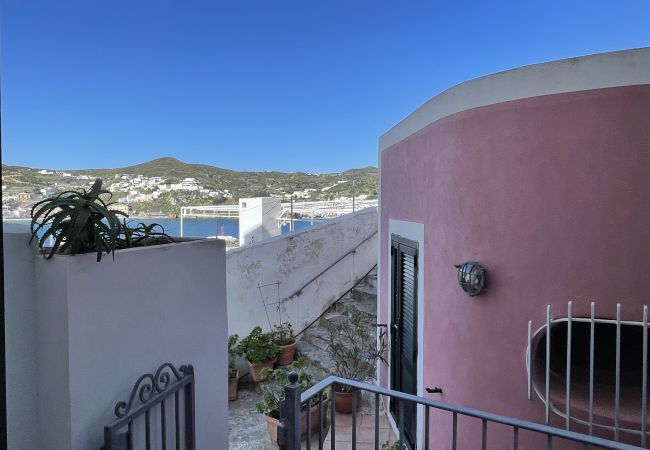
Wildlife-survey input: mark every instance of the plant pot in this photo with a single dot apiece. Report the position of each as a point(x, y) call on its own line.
point(287, 353)
point(232, 387)
point(272, 423)
point(343, 402)
point(256, 368)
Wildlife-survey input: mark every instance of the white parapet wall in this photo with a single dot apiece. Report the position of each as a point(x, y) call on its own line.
point(280, 270)
point(81, 333)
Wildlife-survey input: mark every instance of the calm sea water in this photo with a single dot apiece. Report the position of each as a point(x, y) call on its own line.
point(205, 227)
point(213, 227)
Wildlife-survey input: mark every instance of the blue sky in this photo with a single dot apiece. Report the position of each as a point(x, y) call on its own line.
point(263, 85)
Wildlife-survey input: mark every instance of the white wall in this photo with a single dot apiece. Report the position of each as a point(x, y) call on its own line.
point(282, 265)
point(99, 326)
point(20, 328)
point(258, 219)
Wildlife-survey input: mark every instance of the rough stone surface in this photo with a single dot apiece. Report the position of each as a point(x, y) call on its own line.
point(247, 428)
point(246, 425)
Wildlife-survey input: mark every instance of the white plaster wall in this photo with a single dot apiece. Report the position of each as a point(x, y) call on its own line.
point(283, 264)
point(20, 330)
point(80, 333)
point(258, 220)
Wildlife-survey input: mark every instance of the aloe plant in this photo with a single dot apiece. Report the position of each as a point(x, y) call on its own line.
point(77, 221)
point(142, 235)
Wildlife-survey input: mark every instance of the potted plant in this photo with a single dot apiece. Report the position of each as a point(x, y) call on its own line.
point(77, 222)
point(233, 373)
point(273, 393)
point(284, 338)
point(83, 222)
point(354, 350)
point(260, 352)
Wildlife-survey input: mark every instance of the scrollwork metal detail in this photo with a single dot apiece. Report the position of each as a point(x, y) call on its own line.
point(150, 384)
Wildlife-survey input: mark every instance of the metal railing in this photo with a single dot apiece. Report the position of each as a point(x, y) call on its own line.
point(356, 283)
point(151, 390)
point(326, 269)
point(289, 431)
point(569, 351)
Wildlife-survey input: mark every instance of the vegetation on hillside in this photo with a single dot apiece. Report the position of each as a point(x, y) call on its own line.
point(238, 184)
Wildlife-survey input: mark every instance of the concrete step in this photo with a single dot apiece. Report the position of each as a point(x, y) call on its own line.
point(363, 296)
point(314, 341)
point(332, 318)
point(368, 283)
point(366, 306)
point(371, 283)
point(318, 337)
point(320, 362)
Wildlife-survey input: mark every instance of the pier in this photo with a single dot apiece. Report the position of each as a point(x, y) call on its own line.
point(301, 210)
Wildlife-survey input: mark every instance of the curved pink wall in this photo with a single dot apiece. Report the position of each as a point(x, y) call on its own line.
point(552, 194)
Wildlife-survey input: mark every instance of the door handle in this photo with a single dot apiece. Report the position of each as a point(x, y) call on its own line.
point(434, 390)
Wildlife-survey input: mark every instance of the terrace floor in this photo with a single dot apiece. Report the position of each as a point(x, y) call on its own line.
point(365, 432)
point(248, 429)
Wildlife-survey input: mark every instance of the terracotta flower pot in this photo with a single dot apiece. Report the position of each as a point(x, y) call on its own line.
point(272, 423)
point(343, 402)
point(287, 353)
point(232, 387)
point(255, 369)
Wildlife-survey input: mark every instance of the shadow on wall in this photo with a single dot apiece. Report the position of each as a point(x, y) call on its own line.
point(295, 277)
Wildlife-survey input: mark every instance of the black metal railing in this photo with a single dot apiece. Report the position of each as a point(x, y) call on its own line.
point(289, 431)
point(142, 421)
point(322, 272)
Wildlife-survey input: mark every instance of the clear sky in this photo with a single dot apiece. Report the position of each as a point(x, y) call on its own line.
point(263, 85)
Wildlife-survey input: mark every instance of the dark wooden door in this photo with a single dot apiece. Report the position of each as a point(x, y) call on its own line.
point(404, 336)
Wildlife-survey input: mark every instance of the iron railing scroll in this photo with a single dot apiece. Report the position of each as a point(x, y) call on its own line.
point(290, 426)
point(143, 418)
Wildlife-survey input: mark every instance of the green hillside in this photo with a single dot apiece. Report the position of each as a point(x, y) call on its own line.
point(237, 184)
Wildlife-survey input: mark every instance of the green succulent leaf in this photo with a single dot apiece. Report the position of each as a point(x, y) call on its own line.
point(83, 221)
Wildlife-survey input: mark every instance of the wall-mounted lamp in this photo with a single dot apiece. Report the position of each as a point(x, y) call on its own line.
point(471, 277)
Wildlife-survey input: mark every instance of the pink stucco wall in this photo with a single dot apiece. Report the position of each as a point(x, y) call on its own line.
point(552, 195)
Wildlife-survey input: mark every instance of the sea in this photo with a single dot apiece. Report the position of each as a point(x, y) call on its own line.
point(202, 228)
point(214, 227)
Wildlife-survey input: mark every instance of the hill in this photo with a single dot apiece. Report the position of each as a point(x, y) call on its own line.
point(224, 185)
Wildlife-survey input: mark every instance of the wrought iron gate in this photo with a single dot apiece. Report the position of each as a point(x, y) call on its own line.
point(150, 419)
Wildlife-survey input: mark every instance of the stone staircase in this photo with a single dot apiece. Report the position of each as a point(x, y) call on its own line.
point(312, 343)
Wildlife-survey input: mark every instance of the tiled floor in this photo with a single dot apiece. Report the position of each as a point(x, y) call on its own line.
point(248, 429)
point(365, 432)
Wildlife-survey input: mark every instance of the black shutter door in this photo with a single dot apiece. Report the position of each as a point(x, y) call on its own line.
point(404, 330)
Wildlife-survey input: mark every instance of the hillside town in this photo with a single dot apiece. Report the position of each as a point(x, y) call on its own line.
point(127, 190)
point(136, 194)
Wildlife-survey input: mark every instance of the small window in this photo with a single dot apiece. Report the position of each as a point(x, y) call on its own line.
point(631, 367)
point(243, 205)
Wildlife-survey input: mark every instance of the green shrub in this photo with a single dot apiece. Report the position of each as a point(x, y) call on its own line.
point(232, 345)
point(282, 334)
point(258, 347)
point(354, 349)
point(272, 392)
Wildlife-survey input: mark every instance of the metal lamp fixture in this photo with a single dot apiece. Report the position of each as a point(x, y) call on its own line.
point(471, 277)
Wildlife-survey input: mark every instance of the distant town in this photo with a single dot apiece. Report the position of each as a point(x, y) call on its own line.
point(161, 189)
